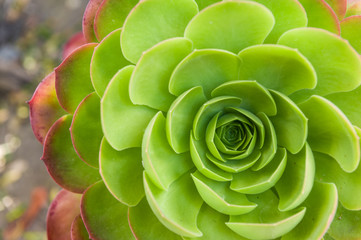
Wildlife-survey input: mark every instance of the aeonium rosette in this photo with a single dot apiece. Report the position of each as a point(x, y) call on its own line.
point(206, 120)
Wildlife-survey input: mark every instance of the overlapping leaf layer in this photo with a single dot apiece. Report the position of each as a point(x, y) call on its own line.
point(206, 119)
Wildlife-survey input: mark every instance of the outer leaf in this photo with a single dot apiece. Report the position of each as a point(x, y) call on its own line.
point(150, 79)
point(205, 3)
point(347, 225)
point(145, 225)
point(220, 197)
point(297, 180)
point(162, 165)
point(265, 222)
point(62, 211)
point(255, 98)
point(353, 8)
point(85, 130)
point(230, 25)
point(290, 123)
point(131, 120)
point(277, 67)
point(321, 15)
point(211, 223)
point(44, 107)
point(349, 103)
point(321, 207)
point(206, 68)
point(345, 73)
point(254, 182)
point(88, 20)
point(180, 118)
point(339, 7)
point(152, 21)
point(62, 162)
point(330, 132)
point(111, 15)
point(177, 208)
point(122, 173)
point(348, 184)
point(78, 230)
point(288, 14)
point(107, 60)
point(349, 31)
point(73, 82)
point(73, 43)
point(103, 215)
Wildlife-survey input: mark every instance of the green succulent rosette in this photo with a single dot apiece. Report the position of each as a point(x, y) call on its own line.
point(206, 119)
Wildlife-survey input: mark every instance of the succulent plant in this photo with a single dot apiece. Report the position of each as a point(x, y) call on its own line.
point(206, 119)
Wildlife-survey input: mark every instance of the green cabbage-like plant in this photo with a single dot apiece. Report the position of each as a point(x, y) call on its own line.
point(206, 119)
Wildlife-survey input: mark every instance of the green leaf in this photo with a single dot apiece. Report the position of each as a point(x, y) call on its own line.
point(62, 211)
point(255, 98)
point(198, 150)
point(107, 60)
point(350, 31)
point(277, 67)
point(44, 107)
point(111, 15)
point(254, 182)
point(210, 134)
point(230, 25)
point(269, 148)
point(62, 162)
point(86, 130)
point(288, 14)
point(330, 132)
point(177, 208)
point(145, 225)
point(180, 118)
point(122, 173)
point(73, 82)
point(290, 123)
point(346, 225)
point(345, 73)
point(78, 230)
point(236, 166)
point(123, 122)
point(207, 68)
point(321, 15)
point(321, 207)
point(220, 197)
point(348, 184)
point(349, 103)
point(205, 3)
point(150, 79)
point(162, 165)
point(259, 131)
point(208, 110)
point(152, 21)
point(103, 215)
point(266, 221)
point(297, 180)
point(211, 223)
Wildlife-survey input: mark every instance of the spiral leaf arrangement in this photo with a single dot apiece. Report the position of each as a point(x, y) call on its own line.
point(206, 119)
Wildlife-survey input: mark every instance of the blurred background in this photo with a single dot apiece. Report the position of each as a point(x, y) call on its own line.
point(32, 34)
